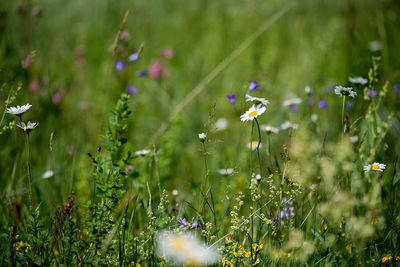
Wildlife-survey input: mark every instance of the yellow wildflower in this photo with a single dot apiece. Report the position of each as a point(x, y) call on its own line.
point(348, 248)
point(387, 258)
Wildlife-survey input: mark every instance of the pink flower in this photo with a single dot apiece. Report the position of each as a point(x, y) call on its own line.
point(128, 168)
point(156, 69)
point(34, 86)
point(57, 97)
point(167, 52)
point(26, 62)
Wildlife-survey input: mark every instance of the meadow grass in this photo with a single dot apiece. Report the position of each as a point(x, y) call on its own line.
point(162, 169)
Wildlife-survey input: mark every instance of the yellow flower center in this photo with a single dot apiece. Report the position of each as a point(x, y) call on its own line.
point(193, 262)
point(375, 166)
point(254, 144)
point(177, 244)
point(253, 113)
point(290, 101)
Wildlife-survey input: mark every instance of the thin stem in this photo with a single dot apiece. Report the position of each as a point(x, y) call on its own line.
point(344, 100)
point(205, 185)
point(258, 145)
point(251, 147)
point(28, 164)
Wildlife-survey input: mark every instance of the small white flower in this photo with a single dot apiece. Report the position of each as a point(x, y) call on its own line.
point(312, 187)
point(221, 124)
point(292, 101)
point(375, 45)
point(253, 181)
point(269, 129)
point(18, 110)
point(263, 101)
point(258, 177)
point(358, 80)
point(345, 91)
point(308, 89)
point(27, 127)
point(288, 124)
point(185, 249)
point(175, 192)
point(228, 171)
point(375, 167)
point(253, 112)
point(202, 137)
point(354, 139)
point(142, 152)
point(48, 174)
point(314, 117)
point(253, 145)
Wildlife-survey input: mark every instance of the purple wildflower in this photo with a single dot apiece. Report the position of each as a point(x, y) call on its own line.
point(131, 89)
point(142, 73)
point(232, 98)
point(194, 224)
point(253, 85)
point(287, 211)
point(322, 104)
point(310, 102)
point(396, 87)
point(183, 222)
point(293, 107)
point(349, 105)
point(134, 56)
point(372, 93)
point(119, 65)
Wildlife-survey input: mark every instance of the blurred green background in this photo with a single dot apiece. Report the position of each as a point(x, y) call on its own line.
point(61, 53)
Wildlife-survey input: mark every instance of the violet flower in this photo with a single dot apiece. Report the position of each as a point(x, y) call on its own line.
point(310, 102)
point(322, 104)
point(253, 85)
point(349, 105)
point(131, 89)
point(133, 57)
point(287, 211)
point(372, 93)
point(119, 65)
point(142, 73)
point(194, 224)
point(232, 98)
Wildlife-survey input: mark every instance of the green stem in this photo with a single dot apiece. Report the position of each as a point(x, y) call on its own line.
point(344, 100)
point(258, 145)
point(28, 164)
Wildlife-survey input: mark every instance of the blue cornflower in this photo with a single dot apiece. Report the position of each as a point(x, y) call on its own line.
point(253, 85)
point(232, 98)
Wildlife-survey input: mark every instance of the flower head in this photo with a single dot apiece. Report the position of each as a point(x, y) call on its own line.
point(345, 91)
point(228, 171)
point(253, 145)
point(167, 52)
point(18, 110)
point(156, 69)
point(47, 174)
point(309, 90)
point(322, 104)
point(253, 113)
point(288, 124)
point(142, 73)
point(221, 124)
point(232, 98)
point(292, 103)
point(202, 137)
point(287, 211)
point(142, 152)
point(253, 85)
point(375, 167)
point(131, 89)
point(269, 129)
point(259, 100)
point(28, 127)
point(372, 93)
point(185, 248)
point(358, 80)
point(119, 65)
point(134, 56)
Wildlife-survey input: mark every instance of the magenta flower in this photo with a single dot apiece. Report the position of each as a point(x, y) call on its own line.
point(167, 52)
point(57, 98)
point(26, 62)
point(232, 98)
point(253, 85)
point(156, 70)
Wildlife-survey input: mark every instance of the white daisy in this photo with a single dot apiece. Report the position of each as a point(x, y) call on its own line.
point(314, 117)
point(288, 124)
point(27, 127)
point(269, 129)
point(185, 249)
point(375, 167)
point(228, 171)
point(358, 80)
point(142, 152)
point(202, 137)
point(263, 101)
point(18, 110)
point(253, 145)
point(47, 174)
point(345, 91)
point(221, 124)
point(253, 112)
point(292, 101)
